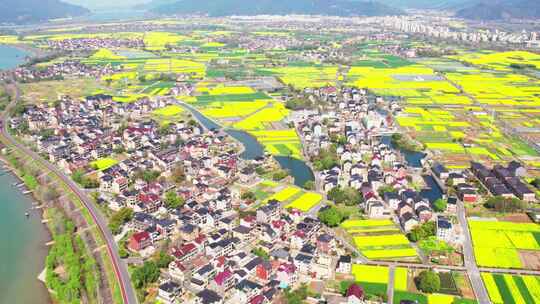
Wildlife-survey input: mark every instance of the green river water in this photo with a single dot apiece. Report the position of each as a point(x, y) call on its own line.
point(22, 239)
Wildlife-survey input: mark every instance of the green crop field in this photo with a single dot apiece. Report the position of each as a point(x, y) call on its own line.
point(513, 289)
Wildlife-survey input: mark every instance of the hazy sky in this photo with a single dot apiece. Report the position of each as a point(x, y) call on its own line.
point(93, 4)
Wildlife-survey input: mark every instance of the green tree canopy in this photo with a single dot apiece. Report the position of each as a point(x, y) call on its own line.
point(331, 216)
point(440, 205)
point(428, 281)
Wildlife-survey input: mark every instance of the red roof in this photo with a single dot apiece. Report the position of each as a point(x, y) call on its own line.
point(141, 236)
point(288, 268)
point(258, 299)
point(355, 290)
point(148, 198)
point(200, 239)
point(223, 276)
point(182, 251)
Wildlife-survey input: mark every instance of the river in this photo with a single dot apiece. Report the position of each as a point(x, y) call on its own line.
point(253, 149)
point(23, 239)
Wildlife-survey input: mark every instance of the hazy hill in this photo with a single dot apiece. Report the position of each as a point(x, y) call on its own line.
point(427, 4)
point(24, 11)
point(219, 8)
point(501, 9)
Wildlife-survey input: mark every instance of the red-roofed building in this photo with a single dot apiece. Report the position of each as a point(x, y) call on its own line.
point(139, 241)
point(150, 202)
point(186, 252)
point(223, 281)
point(355, 291)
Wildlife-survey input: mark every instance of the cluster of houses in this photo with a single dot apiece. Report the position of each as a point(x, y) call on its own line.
point(504, 181)
point(96, 43)
point(259, 43)
point(219, 257)
point(364, 162)
point(57, 71)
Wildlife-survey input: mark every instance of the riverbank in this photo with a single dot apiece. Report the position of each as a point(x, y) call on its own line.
point(24, 240)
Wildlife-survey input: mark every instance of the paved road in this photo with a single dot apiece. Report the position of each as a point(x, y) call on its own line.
point(120, 269)
point(391, 281)
point(470, 261)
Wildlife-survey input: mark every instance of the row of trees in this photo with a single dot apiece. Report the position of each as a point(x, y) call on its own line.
point(70, 270)
point(501, 204)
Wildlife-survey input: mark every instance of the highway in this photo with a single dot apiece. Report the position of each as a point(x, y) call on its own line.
point(120, 269)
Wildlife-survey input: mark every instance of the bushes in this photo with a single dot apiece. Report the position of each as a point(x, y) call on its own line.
point(423, 232)
point(279, 175)
point(86, 182)
point(349, 196)
point(121, 217)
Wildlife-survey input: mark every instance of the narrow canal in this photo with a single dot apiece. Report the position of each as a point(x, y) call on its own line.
point(253, 149)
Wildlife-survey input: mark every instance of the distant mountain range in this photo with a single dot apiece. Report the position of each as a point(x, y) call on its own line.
point(501, 9)
point(26, 11)
point(220, 8)
point(427, 4)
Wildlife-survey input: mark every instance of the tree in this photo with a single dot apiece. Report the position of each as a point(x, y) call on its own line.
point(172, 200)
point(261, 253)
point(440, 205)
point(384, 189)
point(428, 281)
point(309, 185)
point(297, 296)
point(337, 195)
point(248, 196)
point(163, 260)
point(121, 217)
point(279, 175)
point(148, 175)
point(331, 216)
point(344, 286)
point(147, 273)
point(347, 195)
point(502, 204)
point(327, 159)
point(423, 232)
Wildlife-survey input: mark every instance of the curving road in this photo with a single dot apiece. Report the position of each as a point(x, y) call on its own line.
point(120, 269)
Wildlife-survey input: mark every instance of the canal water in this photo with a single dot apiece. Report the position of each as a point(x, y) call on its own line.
point(253, 149)
point(23, 250)
point(432, 192)
point(414, 159)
